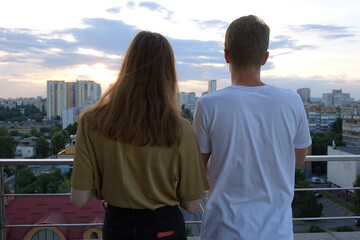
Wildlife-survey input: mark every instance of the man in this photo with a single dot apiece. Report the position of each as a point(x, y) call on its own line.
point(251, 136)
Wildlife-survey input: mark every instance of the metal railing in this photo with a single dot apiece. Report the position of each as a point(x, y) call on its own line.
point(5, 162)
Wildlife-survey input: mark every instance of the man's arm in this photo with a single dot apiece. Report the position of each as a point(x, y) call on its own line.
point(300, 156)
point(206, 157)
point(80, 197)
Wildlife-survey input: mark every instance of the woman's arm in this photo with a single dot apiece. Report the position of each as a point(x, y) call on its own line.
point(80, 197)
point(190, 206)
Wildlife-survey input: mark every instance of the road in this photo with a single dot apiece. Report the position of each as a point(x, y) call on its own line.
point(330, 209)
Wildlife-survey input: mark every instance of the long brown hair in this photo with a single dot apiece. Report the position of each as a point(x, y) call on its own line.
point(141, 106)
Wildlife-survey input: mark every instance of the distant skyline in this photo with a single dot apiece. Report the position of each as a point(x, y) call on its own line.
point(313, 44)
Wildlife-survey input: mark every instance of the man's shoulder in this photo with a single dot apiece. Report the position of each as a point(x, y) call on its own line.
point(284, 93)
point(213, 96)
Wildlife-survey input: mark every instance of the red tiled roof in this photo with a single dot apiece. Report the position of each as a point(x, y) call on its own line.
point(51, 210)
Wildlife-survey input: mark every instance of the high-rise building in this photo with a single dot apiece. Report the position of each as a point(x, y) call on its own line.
point(79, 94)
point(56, 98)
point(87, 93)
point(336, 99)
point(305, 94)
point(211, 86)
point(351, 131)
point(70, 94)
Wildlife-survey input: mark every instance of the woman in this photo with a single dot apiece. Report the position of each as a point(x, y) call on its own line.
point(135, 151)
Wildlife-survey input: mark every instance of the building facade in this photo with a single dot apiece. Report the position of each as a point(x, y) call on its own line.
point(188, 100)
point(56, 98)
point(211, 86)
point(336, 99)
point(305, 94)
point(321, 118)
point(70, 98)
point(343, 173)
point(351, 131)
point(26, 148)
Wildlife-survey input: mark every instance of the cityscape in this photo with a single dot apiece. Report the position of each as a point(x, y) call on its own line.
point(45, 128)
point(58, 57)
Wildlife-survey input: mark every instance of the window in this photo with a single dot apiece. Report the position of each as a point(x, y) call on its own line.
point(45, 234)
point(94, 235)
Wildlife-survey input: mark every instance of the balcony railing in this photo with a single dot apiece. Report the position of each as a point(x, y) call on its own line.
point(12, 162)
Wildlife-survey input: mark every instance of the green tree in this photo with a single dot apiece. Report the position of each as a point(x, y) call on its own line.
point(356, 199)
point(337, 126)
point(7, 146)
point(54, 130)
point(59, 140)
point(24, 182)
point(305, 203)
point(72, 128)
point(64, 186)
point(3, 131)
point(185, 112)
point(14, 133)
point(42, 147)
point(48, 182)
point(34, 132)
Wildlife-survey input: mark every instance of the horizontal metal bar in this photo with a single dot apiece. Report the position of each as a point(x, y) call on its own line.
point(186, 222)
point(47, 161)
point(325, 218)
point(35, 195)
point(329, 158)
point(54, 225)
point(68, 194)
point(69, 161)
point(327, 189)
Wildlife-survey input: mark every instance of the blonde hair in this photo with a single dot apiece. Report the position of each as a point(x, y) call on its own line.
point(247, 40)
point(141, 106)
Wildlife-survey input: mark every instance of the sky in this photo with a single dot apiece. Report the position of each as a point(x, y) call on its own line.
point(313, 44)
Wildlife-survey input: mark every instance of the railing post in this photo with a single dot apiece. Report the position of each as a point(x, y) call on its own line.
point(2, 205)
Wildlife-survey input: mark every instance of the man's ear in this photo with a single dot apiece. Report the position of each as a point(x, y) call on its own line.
point(226, 56)
point(266, 56)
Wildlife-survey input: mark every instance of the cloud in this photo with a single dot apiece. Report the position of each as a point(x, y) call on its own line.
point(113, 10)
point(221, 25)
point(11, 88)
point(325, 31)
point(152, 6)
point(130, 4)
point(283, 41)
point(317, 84)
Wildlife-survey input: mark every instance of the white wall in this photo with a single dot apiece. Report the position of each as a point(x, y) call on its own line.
point(342, 173)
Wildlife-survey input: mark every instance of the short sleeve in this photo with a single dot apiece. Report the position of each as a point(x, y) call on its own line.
point(302, 138)
point(82, 175)
point(200, 129)
point(192, 177)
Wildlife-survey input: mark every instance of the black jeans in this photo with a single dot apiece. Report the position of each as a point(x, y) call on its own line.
point(166, 223)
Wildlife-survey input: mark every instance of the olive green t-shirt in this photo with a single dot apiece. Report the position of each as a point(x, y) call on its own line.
point(138, 177)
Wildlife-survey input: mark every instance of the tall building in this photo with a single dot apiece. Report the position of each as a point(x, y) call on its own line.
point(351, 131)
point(305, 94)
point(71, 95)
point(336, 99)
point(211, 86)
point(87, 93)
point(56, 98)
point(188, 100)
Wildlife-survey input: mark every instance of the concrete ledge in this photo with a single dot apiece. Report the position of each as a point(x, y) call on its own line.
point(319, 236)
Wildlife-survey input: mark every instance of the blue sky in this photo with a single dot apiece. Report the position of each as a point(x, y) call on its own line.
point(313, 44)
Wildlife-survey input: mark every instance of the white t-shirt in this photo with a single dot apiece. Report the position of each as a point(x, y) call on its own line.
point(251, 133)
